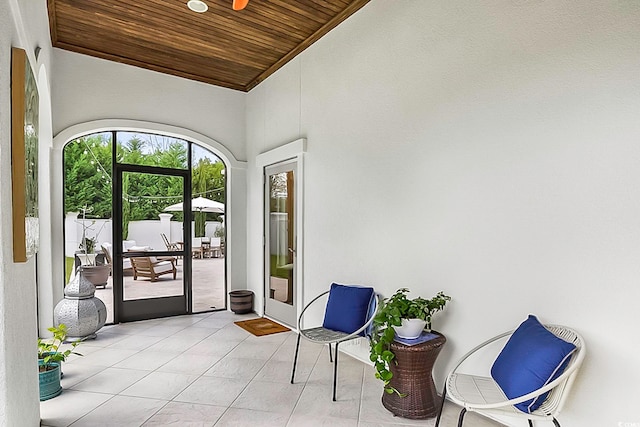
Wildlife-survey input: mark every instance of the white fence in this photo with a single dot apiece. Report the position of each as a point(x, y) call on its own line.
point(146, 233)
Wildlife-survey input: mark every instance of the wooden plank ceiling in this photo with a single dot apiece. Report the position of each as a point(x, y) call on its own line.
point(223, 47)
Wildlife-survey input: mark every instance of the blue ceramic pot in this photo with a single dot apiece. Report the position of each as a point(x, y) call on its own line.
point(49, 381)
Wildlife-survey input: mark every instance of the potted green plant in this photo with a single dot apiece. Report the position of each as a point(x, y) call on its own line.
point(88, 245)
point(97, 274)
point(392, 313)
point(50, 358)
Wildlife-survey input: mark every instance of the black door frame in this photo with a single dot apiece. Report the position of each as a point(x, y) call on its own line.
point(150, 308)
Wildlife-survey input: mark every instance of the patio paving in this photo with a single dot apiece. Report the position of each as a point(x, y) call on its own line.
point(208, 286)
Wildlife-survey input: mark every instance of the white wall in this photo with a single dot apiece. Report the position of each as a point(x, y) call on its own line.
point(88, 89)
point(23, 25)
point(147, 232)
point(499, 143)
point(98, 229)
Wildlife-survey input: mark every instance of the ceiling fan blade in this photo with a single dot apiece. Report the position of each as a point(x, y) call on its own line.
point(240, 4)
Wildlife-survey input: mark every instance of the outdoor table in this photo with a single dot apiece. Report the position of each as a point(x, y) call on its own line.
point(412, 377)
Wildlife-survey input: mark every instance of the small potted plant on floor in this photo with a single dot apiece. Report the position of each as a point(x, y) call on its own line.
point(400, 316)
point(50, 358)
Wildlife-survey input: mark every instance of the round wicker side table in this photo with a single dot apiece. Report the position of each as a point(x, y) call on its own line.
point(412, 377)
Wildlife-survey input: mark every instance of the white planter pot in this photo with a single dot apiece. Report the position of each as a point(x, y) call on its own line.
point(411, 328)
point(87, 259)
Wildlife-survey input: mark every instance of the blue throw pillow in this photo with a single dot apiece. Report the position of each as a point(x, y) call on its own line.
point(347, 308)
point(532, 358)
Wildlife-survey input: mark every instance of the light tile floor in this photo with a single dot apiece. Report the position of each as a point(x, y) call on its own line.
point(202, 370)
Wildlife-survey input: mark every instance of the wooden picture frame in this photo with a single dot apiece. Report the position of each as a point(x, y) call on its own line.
point(24, 156)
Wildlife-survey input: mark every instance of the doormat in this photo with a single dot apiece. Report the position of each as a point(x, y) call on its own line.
point(261, 326)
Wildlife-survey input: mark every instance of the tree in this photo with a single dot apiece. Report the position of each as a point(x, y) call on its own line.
point(146, 195)
point(207, 181)
point(88, 180)
point(199, 186)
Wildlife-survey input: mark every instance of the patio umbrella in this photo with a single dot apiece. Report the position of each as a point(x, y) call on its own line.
point(199, 204)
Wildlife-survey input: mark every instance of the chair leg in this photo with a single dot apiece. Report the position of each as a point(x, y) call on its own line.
point(330, 356)
point(530, 423)
point(444, 394)
point(335, 373)
point(556, 423)
point(461, 417)
point(295, 358)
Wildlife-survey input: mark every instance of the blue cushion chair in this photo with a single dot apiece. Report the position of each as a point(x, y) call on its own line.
point(348, 315)
point(529, 379)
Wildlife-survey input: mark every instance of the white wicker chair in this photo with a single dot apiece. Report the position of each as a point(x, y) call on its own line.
point(320, 335)
point(481, 394)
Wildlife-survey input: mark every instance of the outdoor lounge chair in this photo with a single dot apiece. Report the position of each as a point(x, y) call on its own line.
point(107, 249)
point(126, 262)
point(171, 246)
point(152, 267)
point(530, 379)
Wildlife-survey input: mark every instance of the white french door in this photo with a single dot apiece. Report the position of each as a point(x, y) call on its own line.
point(280, 241)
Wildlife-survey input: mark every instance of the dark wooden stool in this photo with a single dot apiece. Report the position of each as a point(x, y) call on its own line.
point(412, 377)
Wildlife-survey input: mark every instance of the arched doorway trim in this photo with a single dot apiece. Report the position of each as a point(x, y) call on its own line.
point(76, 131)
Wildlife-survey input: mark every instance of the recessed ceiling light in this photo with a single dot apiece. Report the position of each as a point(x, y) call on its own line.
point(197, 6)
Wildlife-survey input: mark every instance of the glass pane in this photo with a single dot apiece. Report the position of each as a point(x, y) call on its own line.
point(87, 209)
point(149, 202)
point(281, 236)
point(208, 244)
point(151, 150)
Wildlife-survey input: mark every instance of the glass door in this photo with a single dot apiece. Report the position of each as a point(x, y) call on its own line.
point(149, 271)
point(280, 243)
point(208, 239)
